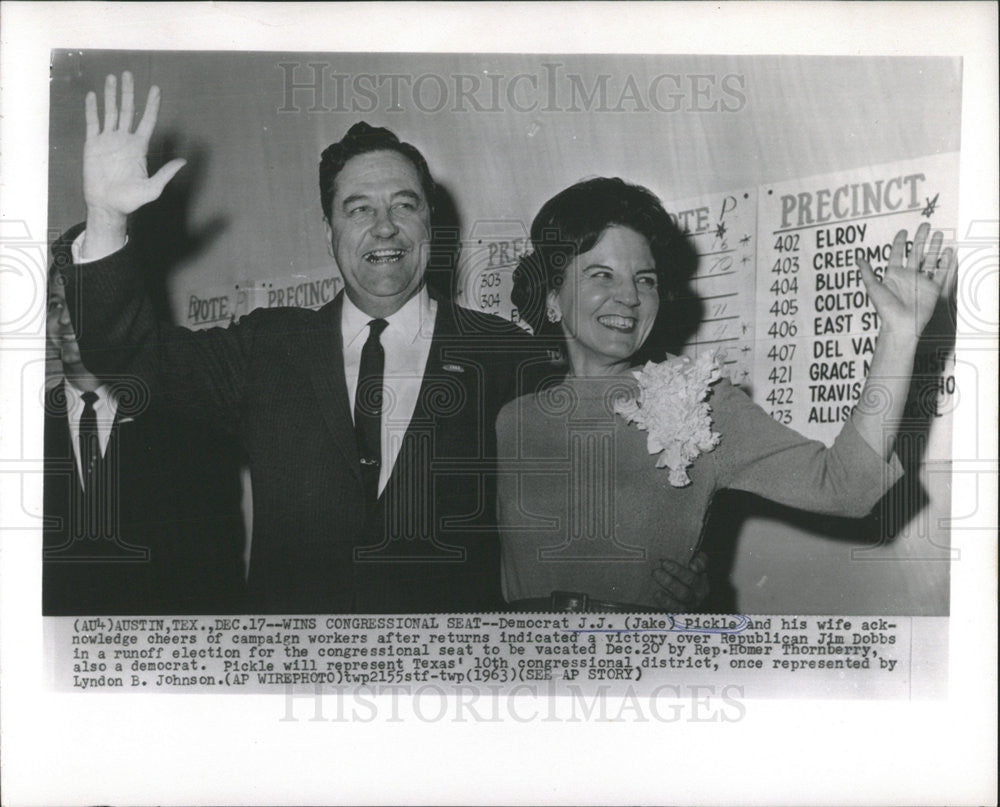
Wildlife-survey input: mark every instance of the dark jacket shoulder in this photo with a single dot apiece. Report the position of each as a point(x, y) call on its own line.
point(478, 323)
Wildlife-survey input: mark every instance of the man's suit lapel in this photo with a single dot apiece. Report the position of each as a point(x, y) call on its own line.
point(60, 452)
point(410, 498)
point(57, 437)
point(432, 371)
point(320, 353)
point(441, 373)
point(61, 476)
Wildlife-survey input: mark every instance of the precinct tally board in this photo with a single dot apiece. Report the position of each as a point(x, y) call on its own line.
point(778, 279)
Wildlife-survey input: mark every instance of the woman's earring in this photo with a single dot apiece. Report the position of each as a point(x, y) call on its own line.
point(552, 315)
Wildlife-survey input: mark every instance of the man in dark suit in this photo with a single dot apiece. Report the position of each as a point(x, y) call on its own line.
point(138, 517)
point(369, 424)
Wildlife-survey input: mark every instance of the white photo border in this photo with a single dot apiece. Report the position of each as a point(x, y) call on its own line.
point(96, 748)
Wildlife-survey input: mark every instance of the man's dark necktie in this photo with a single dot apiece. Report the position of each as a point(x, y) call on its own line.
point(90, 441)
point(91, 464)
point(368, 408)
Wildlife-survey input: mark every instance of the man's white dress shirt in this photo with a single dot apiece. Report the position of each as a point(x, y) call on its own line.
point(407, 344)
point(105, 408)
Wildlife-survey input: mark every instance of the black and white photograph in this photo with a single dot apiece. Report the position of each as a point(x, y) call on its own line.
point(565, 385)
point(410, 448)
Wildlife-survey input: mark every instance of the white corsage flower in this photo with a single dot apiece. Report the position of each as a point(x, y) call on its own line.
point(671, 406)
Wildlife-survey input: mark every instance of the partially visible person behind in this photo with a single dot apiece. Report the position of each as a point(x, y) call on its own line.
point(583, 507)
point(141, 513)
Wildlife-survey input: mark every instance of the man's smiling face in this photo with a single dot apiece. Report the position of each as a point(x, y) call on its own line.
point(379, 229)
point(59, 331)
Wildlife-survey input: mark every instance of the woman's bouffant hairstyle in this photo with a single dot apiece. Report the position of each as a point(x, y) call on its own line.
point(573, 221)
point(364, 139)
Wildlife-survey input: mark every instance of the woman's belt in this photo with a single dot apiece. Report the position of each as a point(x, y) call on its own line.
point(576, 603)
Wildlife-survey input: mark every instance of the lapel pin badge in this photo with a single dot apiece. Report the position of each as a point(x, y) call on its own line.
point(453, 368)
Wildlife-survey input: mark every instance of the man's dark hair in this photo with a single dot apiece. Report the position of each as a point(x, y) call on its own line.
point(364, 139)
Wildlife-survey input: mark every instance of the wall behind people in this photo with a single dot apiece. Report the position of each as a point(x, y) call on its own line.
point(241, 225)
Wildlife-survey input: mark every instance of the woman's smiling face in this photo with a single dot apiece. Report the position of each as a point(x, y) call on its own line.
point(607, 302)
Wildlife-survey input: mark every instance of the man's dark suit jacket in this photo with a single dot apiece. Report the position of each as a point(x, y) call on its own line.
point(173, 541)
point(276, 381)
